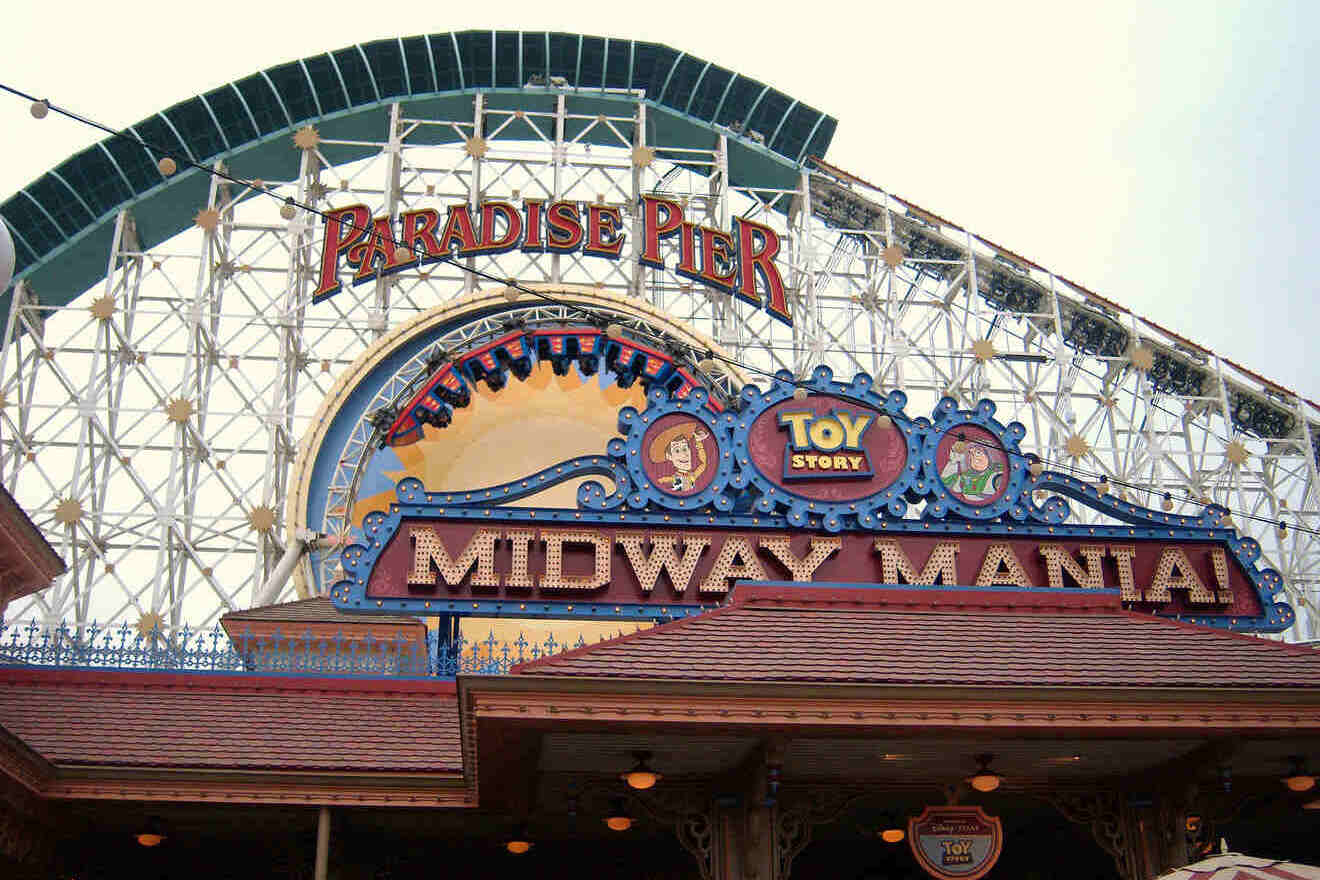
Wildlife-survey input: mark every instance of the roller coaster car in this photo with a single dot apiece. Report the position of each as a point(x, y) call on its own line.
point(562, 347)
point(429, 406)
point(631, 361)
point(492, 362)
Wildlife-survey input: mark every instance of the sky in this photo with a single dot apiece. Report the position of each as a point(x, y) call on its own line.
point(1163, 154)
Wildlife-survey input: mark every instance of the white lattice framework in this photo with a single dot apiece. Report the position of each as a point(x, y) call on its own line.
point(167, 402)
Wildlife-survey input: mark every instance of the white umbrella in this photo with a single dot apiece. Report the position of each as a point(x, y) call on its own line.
point(1235, 866)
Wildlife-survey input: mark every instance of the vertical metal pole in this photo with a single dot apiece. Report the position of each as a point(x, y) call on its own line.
point(393, 196)
point(639, 142)
point(322, 843)
point(474, 183)
point(558, 157)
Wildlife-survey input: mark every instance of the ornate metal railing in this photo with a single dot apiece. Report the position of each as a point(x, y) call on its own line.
point(279, 653)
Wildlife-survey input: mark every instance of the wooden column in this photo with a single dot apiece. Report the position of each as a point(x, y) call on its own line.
point(322, 844)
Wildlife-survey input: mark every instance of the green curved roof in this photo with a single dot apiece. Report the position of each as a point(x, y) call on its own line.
point(63, 221)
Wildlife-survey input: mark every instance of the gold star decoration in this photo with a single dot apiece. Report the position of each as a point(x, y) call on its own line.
point(261, 518)
point(307, 138)
point(179, 410)
point(1077, 446)
point(149, 623)
point(316, 190)
point(893, 256)
point(476, 147)
point(103, 308)
point(1141, 358)
point(1236, 453)
point(208, 219)
point(642, 157)
point(984, 350)
point(68, 511)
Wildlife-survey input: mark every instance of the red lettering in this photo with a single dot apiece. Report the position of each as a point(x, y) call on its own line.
point(717, 251)
point(654, 229)
point(687, 251)
point(603, 236)
point(459, 229)
point(534, 209)
point(564, 224)
point(491, 215)
point(344, 227)
point(378, 248)
point(421, 226)
point(758, 245)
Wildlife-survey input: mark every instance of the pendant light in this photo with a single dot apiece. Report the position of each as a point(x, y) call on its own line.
point(641, 776)
point(1298, 779)
point(984, 779)
point(153, 834)
point(518, 842)
point(618, 818)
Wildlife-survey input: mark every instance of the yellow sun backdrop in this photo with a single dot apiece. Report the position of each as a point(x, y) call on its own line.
point(506, 434)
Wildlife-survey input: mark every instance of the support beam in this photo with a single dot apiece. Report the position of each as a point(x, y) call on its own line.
point(322, 844)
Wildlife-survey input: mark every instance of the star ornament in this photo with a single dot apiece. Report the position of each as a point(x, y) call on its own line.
point(149, 623)
point(1141, 358)
point(1077, 446)
point(642, 157)
point(476, 147)
point(261, 518)
point(208, 219)
point(307, 138)
point(984, 350)
point(893, 256)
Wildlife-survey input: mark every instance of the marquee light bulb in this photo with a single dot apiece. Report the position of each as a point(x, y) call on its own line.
point(893, 835)
point(799, 393)
point(40, 109)
point(288, 210)
point(167, 166)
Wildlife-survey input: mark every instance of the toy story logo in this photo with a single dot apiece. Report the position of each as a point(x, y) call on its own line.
point(740, 262)
point(955, 843)
point(686, 496)
point(825, 445)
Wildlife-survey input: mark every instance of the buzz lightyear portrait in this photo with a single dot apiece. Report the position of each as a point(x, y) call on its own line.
point(973, 473)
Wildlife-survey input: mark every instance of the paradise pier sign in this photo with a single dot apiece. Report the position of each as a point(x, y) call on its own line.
point(840, 487)
point(740, 262)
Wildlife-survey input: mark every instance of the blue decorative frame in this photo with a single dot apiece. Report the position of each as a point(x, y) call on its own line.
point(742, 497)
point(889, 503)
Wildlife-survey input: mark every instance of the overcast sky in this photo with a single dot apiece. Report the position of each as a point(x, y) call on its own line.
point(1162, 154)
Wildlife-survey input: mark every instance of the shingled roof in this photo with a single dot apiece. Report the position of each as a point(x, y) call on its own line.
point(136, 719)
point(318, 609)
point(1063, 638)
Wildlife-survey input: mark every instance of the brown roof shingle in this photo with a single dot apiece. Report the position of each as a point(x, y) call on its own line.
point(232, 722)
point(318, 609)
point(938, 638)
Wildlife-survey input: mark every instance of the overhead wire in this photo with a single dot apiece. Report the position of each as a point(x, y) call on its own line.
point(596, 319)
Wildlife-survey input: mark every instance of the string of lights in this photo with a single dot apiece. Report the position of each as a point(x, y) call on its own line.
point(168, 163)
